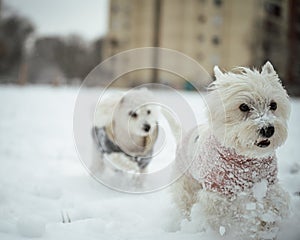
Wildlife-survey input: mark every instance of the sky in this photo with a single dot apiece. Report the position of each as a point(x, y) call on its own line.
point(87, 18)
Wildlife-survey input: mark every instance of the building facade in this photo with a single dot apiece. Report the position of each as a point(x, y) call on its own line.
point(227, 33)
point(271, 35)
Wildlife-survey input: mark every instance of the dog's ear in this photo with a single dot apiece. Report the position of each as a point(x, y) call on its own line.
point(267, 68)
point(218, 72)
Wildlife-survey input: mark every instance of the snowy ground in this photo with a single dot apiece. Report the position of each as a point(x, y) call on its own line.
point(43, 182)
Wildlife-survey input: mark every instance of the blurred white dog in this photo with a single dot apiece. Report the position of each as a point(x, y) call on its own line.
point(229, 166)
point(126, 128)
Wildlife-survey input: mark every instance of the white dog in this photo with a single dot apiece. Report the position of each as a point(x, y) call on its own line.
point(229, 165)
point(126, 128)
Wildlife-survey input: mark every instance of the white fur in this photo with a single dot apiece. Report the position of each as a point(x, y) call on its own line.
point(244, 216)
point(115, 113)
point(231, 126)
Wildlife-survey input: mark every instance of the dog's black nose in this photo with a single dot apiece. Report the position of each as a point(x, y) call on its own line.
point(267, 132)
point(146, 127)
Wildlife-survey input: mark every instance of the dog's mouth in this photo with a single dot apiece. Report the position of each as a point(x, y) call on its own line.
point(263, 144)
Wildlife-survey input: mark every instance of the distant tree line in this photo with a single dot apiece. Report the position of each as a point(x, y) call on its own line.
point(14, 30)
point(50, 59)
point(62, 60)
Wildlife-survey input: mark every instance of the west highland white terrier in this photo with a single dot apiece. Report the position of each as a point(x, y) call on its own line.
point(126, 129)
point(229, 166)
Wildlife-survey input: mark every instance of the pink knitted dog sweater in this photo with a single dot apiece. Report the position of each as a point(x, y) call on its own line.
point(222, 170)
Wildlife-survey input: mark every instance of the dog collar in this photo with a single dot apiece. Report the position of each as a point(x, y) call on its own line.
point(107, 146)
point(222, 170)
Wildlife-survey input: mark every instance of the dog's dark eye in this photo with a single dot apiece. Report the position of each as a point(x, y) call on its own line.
point(244, 107)
point(273, 106)
point(133, 114)
point(148, 112)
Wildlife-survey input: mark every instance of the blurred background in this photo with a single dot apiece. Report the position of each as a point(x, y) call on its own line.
point(48, 47)
point(60, 42)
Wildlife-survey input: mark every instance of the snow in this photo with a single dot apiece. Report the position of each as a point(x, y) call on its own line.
point(260, 190)
point(42, 180)
point(222, 230)
point(251, 206)
point(31, 226)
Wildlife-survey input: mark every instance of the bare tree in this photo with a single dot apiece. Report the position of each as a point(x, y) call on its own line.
point(14, 30)
point(71, 58)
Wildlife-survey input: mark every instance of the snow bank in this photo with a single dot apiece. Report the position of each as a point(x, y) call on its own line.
point(42, 181)
point(31, 226)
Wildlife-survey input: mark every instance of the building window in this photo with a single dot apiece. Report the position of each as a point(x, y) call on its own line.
point(215, 40)
point(114, 43)
point(202, 18)
point(273, 9)
point(218, 3)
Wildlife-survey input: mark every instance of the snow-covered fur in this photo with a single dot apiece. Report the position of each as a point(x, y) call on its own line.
point(229, 166)
point(130, 121)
